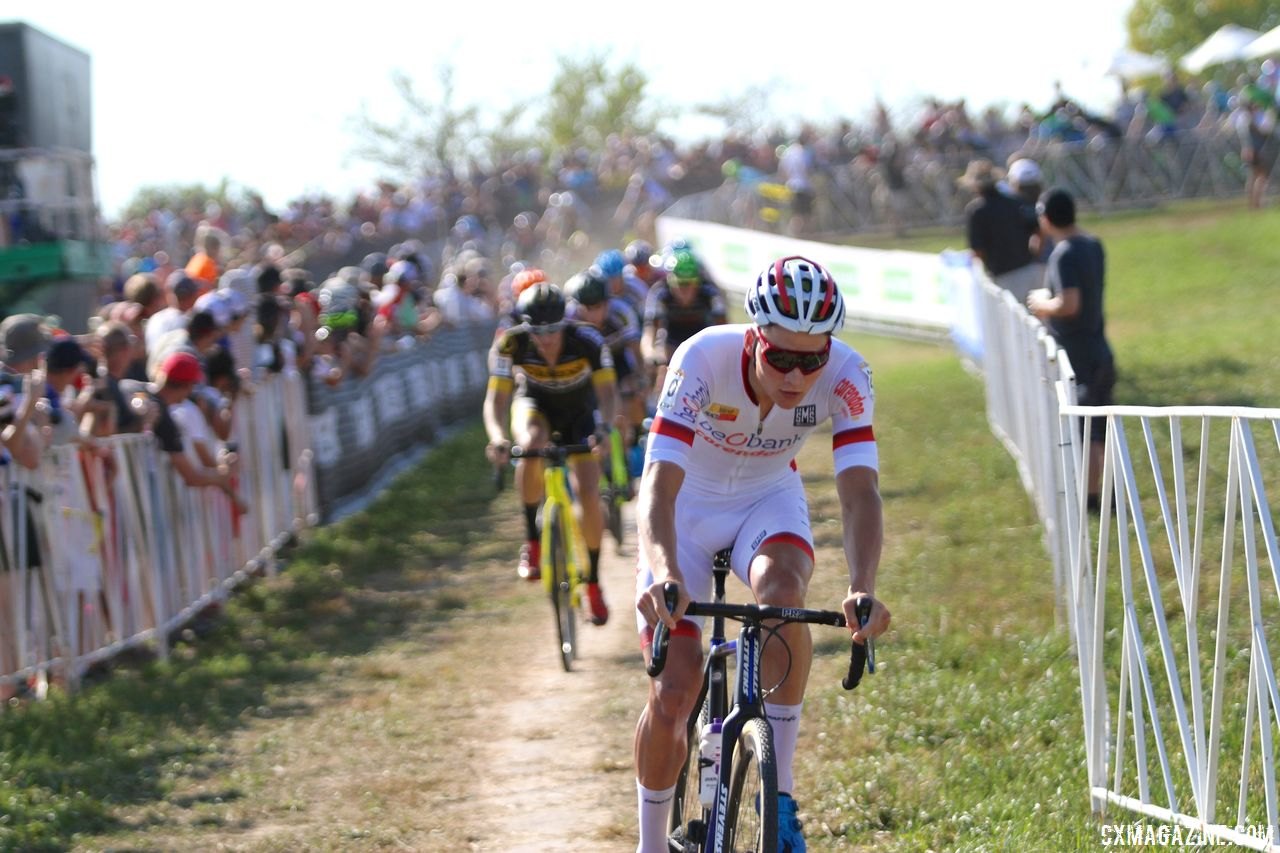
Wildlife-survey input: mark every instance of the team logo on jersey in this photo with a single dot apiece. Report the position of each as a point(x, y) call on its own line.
point(854, 404)
point(673, 383)
point(806, 415)
point(721, 412)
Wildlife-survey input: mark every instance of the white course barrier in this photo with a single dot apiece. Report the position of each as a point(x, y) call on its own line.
point(1171, 594)
point(1172, 631)
point(103, 547)
point(1177, 680)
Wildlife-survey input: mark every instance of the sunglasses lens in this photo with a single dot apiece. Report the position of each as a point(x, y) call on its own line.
point(549, 329)
point(785, 361)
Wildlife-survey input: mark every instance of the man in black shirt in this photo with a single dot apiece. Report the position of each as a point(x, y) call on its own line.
point(999, 231)
point(1071, 306)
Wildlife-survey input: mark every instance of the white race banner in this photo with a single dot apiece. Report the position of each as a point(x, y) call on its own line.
point(881, 287)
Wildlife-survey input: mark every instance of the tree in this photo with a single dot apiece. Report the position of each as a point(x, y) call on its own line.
point(1172, 28)
point(430, 137)
point(746, 112)
point(177, 197)
point(588, 102)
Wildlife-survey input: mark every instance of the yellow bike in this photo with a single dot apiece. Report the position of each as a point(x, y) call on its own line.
point(561, 560)
point(615, 486)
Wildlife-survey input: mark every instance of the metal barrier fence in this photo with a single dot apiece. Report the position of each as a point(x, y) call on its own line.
point(1176, 676)
point(105, 548)
point(360, 426)
point(1103, 174)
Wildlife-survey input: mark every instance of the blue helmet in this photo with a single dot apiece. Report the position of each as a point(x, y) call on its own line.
point(611, 263)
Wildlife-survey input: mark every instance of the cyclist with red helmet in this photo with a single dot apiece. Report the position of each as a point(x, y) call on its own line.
point(739, 402)
point(559, 372)
point(639, 257)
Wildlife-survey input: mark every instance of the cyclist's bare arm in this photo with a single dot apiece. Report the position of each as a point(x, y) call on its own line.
point(860, 511)
point(497, 414)
point(607, 400)
point(649, 345)
point(656, 530)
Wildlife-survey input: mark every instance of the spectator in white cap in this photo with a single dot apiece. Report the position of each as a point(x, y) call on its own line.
point(1026, 184)
point(999, 231)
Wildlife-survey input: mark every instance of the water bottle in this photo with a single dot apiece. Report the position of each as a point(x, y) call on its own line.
point(709, 749)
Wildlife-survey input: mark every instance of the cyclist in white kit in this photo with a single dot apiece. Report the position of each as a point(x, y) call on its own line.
point(738, 403)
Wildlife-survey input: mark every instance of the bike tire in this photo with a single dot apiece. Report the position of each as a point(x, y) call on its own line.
point(561, 597)
point(754, 781)
point(613, 514)
point(685, 806)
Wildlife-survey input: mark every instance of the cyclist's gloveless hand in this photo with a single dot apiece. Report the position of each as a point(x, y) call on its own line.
point(498, 452)
point(652, 604)
point(876, 625)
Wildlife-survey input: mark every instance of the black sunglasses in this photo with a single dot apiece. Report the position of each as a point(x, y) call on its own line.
point(787, 360)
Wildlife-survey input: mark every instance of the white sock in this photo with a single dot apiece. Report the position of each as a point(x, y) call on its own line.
point(785, 722)
point(655, 815)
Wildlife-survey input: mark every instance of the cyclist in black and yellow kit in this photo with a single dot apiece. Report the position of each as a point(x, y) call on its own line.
point(561, 372)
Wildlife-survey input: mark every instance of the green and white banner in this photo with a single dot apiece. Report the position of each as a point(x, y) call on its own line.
point(915, 290)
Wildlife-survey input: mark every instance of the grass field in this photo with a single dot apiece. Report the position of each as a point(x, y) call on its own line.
point(968, 739)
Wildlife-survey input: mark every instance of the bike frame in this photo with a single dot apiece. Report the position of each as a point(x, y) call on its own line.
point(617, 460)
point(748, 702)
point(748, 697)
point(555, 481)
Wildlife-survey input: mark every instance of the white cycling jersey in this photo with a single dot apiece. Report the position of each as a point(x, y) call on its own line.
point(708, 420)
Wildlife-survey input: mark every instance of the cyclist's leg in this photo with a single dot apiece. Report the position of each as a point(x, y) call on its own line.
point(778, 571)
point(529, 429)
point(585, 471)
point(661, 747)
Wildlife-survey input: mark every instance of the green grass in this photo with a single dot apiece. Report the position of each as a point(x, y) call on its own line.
point(971, 737)
point(69, 767)
point(968, 739)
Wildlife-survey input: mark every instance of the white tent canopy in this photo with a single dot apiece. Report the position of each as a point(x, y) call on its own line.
point(1267, 44)
point(1228, 44)
point(1128, 64)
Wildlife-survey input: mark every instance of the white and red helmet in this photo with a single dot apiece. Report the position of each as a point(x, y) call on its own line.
point(797, 294)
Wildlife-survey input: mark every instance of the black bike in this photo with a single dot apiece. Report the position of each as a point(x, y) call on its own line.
point(733, 807)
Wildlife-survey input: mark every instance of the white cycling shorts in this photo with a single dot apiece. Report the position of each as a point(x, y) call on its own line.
point(707, 523)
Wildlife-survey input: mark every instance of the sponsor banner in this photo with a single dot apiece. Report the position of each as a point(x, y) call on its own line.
point(364, 423)
point(916, 290)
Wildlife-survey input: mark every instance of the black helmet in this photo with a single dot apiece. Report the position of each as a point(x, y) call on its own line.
point(541, 305)
point(588, 287)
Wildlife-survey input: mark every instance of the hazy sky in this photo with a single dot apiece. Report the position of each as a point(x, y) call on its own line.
point(187, 93)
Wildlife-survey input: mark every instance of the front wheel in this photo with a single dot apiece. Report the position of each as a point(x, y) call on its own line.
point(751, 819)
point(561, 598)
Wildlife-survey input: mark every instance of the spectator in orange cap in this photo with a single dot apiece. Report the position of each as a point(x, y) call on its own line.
point(204, 266)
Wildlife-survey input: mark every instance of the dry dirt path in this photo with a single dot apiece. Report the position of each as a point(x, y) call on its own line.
point(462, 734)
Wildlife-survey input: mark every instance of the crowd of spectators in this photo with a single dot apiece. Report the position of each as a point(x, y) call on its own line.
point(234, 287)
